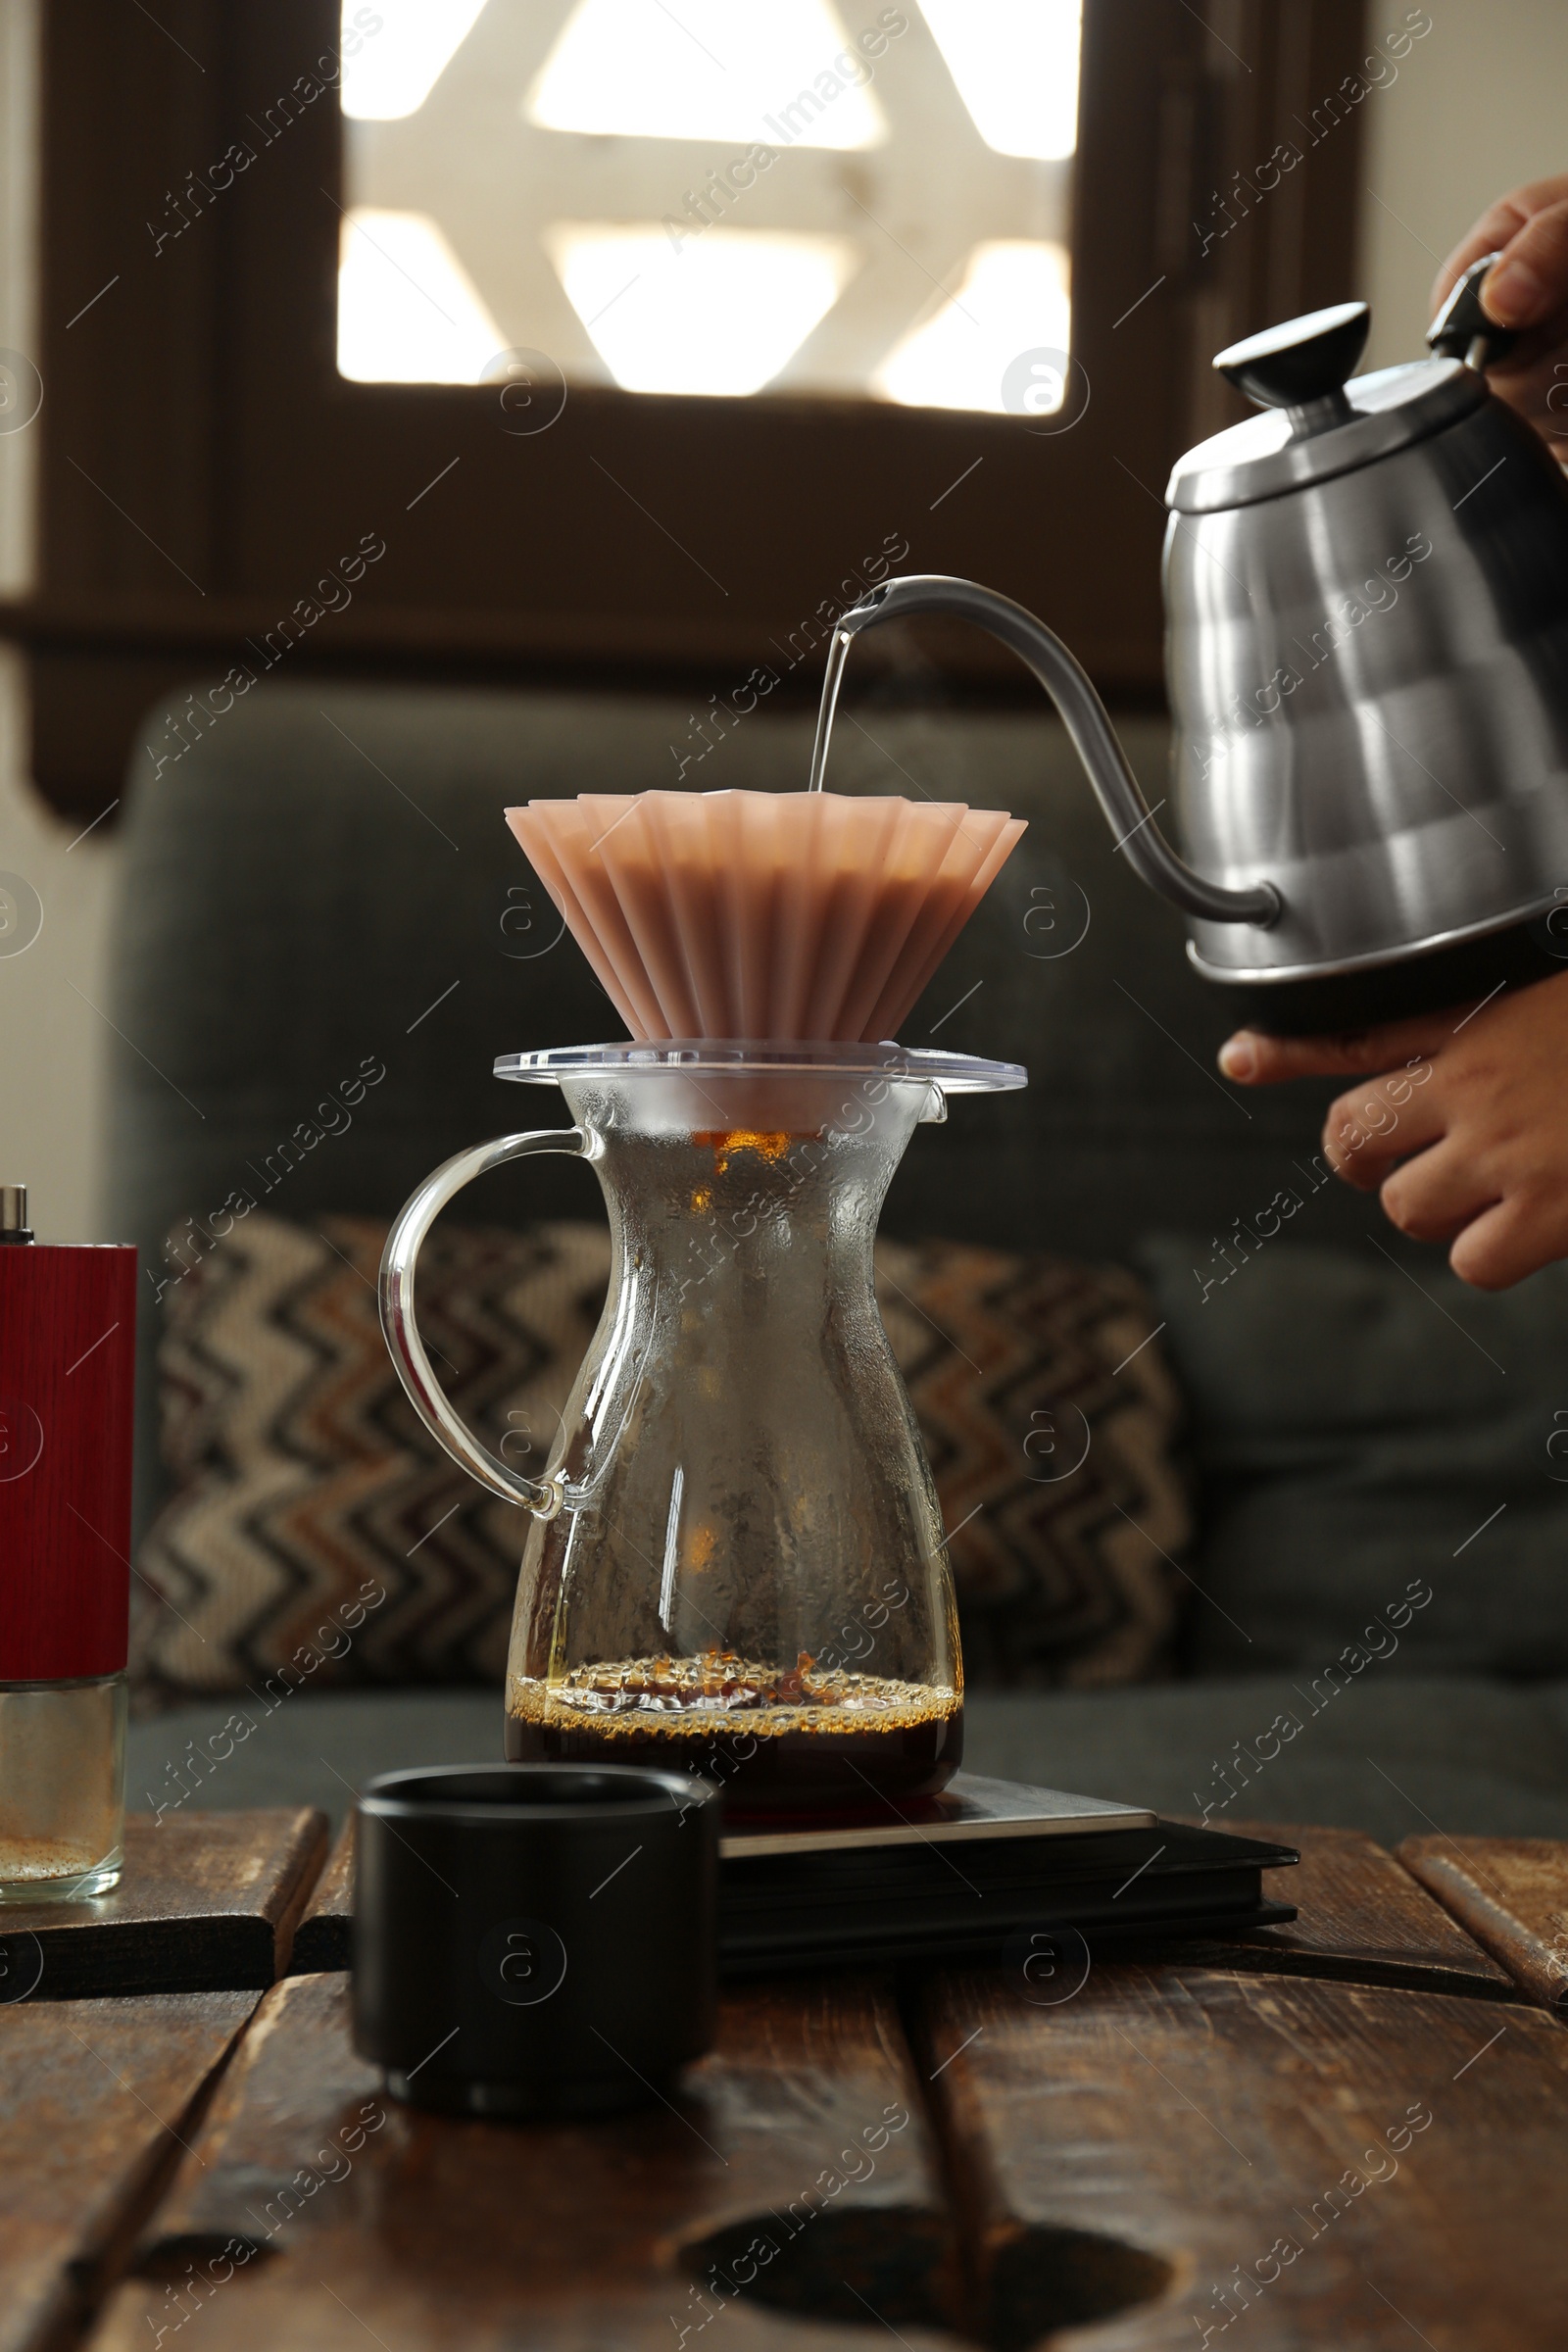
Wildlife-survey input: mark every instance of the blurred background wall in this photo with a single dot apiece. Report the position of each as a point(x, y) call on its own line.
point(1481, 106)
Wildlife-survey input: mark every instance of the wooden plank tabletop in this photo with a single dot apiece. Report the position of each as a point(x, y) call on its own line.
point(313, 2211)
point(205, 1900)
point(1313, 2162)
point(1360, 1916)
point(1349, 2131)
point(323, 1937)
point(95, 2098)
point(1511, 1894)
point(1167, 2150)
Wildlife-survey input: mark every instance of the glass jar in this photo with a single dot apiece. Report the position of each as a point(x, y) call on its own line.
point(737, 1563)
point(62, 1787)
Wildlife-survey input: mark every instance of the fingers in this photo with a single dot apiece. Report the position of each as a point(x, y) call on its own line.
point(1532, 278)
point(1496, 230)
point(1369, 1131)
point(1435, 1195)
point(1251, 1058)
point(1457, 1120)
point(1514, 1238)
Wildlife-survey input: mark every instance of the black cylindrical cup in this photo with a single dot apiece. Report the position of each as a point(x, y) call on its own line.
point(535, 1940)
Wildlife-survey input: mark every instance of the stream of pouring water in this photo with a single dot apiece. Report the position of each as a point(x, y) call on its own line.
point(838, 652)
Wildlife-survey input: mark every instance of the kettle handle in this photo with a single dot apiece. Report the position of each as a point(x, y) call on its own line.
point(1117, 788)
point(1461, 329)
point(401, 1330)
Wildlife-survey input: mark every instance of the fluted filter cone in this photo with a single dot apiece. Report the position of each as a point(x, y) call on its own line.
point(763, 915)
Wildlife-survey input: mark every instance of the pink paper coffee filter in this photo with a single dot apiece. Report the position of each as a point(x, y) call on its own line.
point(763, 915)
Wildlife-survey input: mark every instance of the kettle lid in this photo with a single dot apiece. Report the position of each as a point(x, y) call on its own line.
point(1314, 423)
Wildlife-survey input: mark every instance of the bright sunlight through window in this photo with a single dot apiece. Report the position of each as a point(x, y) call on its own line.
point(741, 72)
point(1015, 63)
point(843, 199)
point(722, 316)
point(394, 53)
point(1014, 295)
point(407, 310)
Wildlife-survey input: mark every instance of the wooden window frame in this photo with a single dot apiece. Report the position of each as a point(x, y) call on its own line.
point(202, 468)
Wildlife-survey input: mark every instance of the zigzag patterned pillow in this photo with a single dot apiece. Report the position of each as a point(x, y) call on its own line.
point(317, 1534)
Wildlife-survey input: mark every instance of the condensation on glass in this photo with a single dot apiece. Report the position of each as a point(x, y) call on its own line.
point(737, 196)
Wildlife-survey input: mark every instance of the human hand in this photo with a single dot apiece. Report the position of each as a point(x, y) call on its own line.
point(1462, 1128)
point(1528, 290)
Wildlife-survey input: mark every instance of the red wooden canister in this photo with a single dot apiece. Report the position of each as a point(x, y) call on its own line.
point(67, 1357)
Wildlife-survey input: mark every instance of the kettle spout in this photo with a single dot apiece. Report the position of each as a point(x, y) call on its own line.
point(1117, 788)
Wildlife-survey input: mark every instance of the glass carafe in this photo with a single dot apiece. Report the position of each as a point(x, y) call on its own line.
point(737, 1565)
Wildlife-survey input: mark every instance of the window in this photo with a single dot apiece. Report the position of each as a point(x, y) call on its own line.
point(475, 282)
point(737, 196)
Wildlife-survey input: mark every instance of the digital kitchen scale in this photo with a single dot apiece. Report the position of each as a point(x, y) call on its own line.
point(967, 1875)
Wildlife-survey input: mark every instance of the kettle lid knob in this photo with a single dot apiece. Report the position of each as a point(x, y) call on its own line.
point(1302, 365)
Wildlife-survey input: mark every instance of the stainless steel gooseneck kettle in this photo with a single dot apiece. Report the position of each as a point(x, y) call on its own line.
point(1366, 593)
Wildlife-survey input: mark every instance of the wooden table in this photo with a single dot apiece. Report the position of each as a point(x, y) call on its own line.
point(1348, 2132)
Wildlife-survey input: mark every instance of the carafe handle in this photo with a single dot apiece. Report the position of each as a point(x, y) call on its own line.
point(401, 1330)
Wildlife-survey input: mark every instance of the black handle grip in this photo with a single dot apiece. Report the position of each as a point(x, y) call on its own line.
point(1461, 329)
point(1305, 360)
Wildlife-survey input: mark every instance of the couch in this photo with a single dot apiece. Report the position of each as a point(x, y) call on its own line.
point(325, 877)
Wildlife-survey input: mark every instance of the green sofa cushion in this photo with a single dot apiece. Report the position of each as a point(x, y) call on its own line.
point(1359, 1427)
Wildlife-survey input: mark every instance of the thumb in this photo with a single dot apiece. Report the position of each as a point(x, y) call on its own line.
point(1530, 280)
